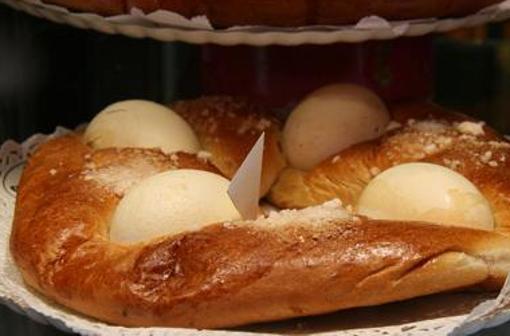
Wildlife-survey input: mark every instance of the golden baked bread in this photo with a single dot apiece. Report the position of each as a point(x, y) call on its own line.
point(225, 13)
point(228, 128)
point(291, 263)
point(428, 134)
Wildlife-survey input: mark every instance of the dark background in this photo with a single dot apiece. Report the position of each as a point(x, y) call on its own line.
point(56, 75)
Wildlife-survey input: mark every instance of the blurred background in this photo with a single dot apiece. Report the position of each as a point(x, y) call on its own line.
point(57, 75)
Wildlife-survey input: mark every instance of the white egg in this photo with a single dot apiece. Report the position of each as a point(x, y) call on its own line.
point(330, 120)
point(142, 124)
point(426, 192)
point(171, 203)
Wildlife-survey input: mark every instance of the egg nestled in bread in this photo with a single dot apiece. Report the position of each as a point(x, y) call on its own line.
point(330, 120)
point(141, 124)
point(170, 203)
point(426, 192)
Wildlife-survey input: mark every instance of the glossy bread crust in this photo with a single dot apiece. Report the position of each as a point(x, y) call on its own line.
point(226, 13)
point(428, 133)
point(227, 274)
point(223, 275)
point(228, 128)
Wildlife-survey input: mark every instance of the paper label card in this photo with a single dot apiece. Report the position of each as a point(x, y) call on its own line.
point(244, 189)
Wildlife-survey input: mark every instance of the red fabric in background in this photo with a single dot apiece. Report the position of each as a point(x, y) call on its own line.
point(280, 76)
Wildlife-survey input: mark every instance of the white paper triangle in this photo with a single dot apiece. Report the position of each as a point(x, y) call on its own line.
point(244, 189)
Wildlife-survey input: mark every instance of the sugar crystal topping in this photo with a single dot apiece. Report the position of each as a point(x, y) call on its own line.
point(204, 155)
point(421, 139)
point(335, 159)
point(469, 127)
point(310, 217)
point(208, 115)
point(120, 178)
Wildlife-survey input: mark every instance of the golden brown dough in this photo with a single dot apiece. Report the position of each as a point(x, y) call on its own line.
point(429, 134)
point(225, 13)
point(228, 128)
point(292, 264)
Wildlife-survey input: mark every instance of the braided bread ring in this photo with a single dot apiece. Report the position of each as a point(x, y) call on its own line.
point(294, 263)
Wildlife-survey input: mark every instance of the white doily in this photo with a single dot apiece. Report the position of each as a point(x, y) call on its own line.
point(389, 320)
point(167, 26)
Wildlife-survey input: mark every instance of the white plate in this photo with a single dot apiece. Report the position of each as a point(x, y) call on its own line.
point(165, 27)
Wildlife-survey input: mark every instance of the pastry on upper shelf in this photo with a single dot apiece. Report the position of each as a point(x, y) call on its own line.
point(102, 7)
point(291, 13)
